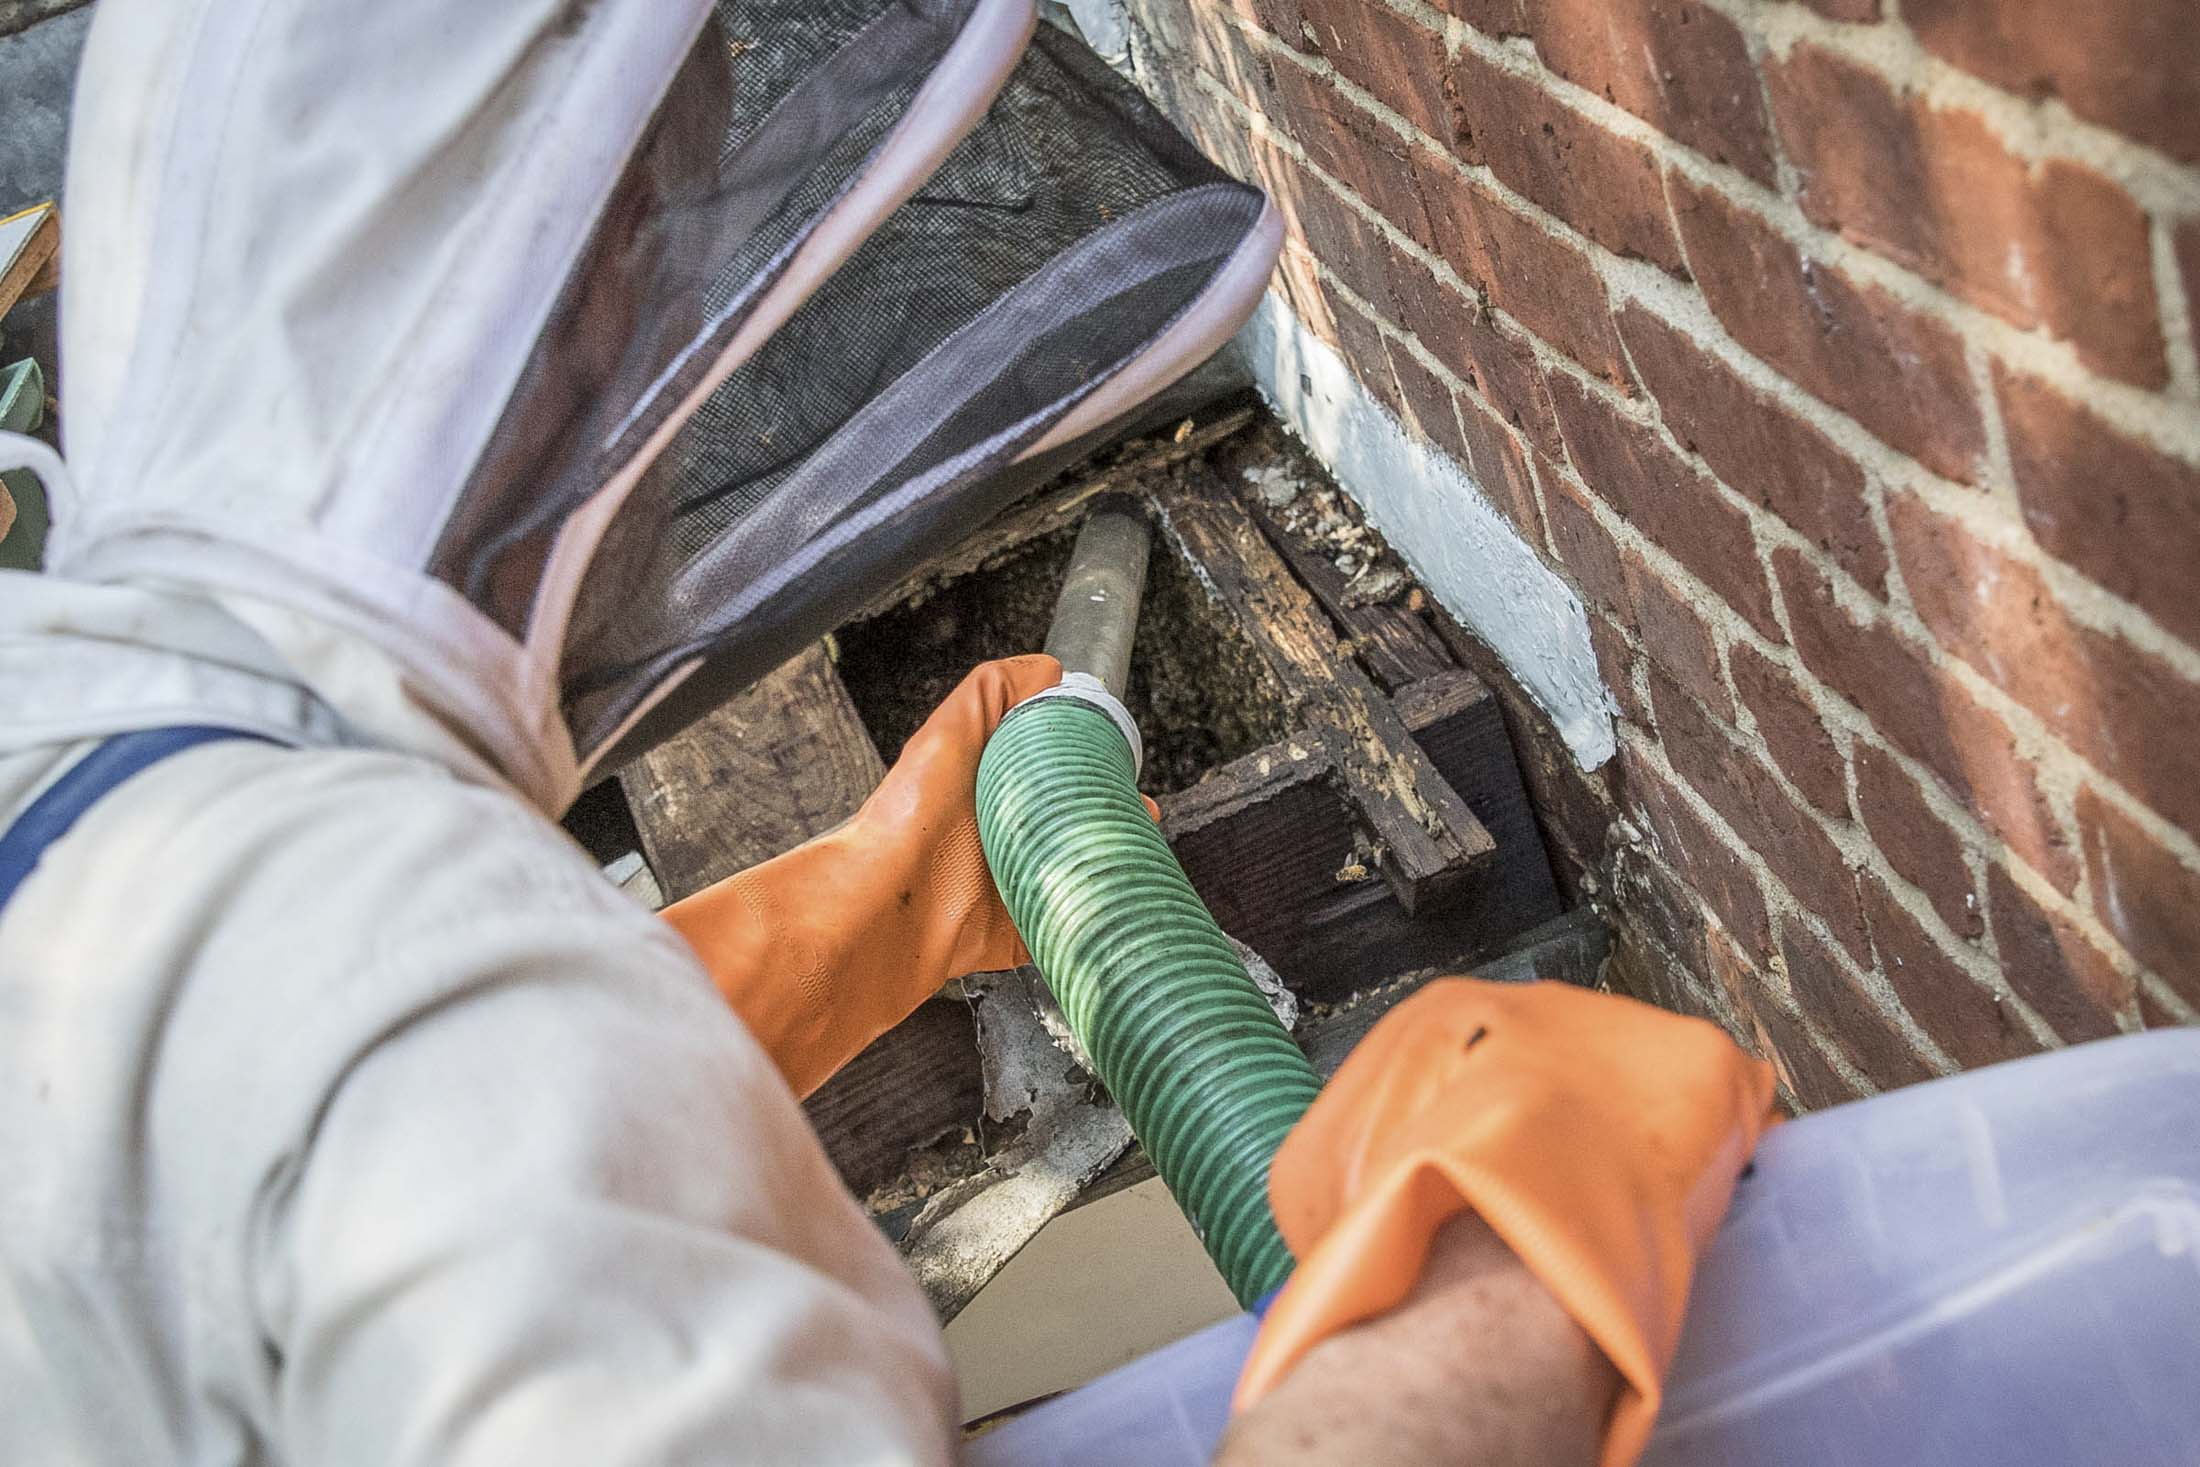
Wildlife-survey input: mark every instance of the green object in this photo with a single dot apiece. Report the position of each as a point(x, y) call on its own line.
point(1176, 1028)
point(22, 409)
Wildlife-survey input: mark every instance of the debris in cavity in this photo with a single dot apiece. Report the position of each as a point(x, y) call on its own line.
point(1275, 483)
point(1032, 1064)
point(1270, 983)
point(1374, 585)
point(1331, 525)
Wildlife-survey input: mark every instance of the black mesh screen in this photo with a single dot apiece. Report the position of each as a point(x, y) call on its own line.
point(774, 114)
point(1050, 249)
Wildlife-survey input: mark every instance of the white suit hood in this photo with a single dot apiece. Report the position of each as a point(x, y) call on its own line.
point(386, 330)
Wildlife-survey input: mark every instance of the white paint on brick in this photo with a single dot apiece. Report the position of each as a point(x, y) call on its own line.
point(1440, 521)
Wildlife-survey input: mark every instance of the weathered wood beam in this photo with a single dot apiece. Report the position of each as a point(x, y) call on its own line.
point(1425, 838)
point(1060, 506)
point(21, 15)
point(785, 761)
point(1394, 644)
point(1271, 845)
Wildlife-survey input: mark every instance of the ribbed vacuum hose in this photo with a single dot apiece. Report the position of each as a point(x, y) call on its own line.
point(1176, 1028)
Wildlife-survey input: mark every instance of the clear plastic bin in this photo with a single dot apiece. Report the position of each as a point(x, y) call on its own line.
point(2002, 1267)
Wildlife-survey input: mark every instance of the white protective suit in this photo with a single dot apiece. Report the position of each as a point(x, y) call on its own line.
point(348, 1114)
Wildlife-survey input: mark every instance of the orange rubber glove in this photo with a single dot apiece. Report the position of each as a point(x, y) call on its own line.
point(1599, 1137)
point(827, 947)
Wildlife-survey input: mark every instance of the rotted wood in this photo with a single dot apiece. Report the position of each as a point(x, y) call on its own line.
point(1271, 843)
point(21, 15)
point(30, 254)
point(913, 1086)
point(1130, 467)
point(1395, 645)
point(785, 761)
point(1424, 838)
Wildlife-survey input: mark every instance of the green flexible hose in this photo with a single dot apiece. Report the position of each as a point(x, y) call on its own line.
point(1176, 1028)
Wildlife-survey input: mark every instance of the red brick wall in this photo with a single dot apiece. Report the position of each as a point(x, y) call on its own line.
point(1843, 361)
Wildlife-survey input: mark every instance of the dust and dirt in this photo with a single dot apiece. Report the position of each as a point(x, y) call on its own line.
point(1197, 689)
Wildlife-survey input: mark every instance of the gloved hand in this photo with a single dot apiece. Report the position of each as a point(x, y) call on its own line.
point(827, 947)
point(1599, 1137)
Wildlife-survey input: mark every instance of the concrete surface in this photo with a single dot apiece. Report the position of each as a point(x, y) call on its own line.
point(1096, 1289)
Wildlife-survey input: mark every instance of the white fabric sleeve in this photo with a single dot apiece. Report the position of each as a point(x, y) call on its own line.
point(573, 1216)
point(354, 1118)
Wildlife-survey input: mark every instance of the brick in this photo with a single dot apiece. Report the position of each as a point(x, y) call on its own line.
point(1299, 281)
point(1679, 65)
point(1501, 367)
point(1928, 715)
point(1934, 189)
point(1900, 374)
point(2054, 967)
point(1283, 19)
point(1754, 443)
point(2094, 497)
point(1423, 305)
point(1969, 1021)
point(1538, 279)
point(1850, 10)
point(1500, 466)
point(1317, 217)
point(1813, 1082)
point(2130, 65)
point(1615, 665)
point(1710, 868)
point(2155, 1014)
point(1916, 842)
point(2187, 246)
point(1641, 971)
point(1333, 231)
point(1675, 637)
point(1427, 404)
point(1666, 498)
point(2147, 899)
point(1605, 185)
point(1798, 851)
point(1353, 147)
point(1360, 343)
point(1791, 730)
point(1847, 1012)
point(1715, 977)
point(1497, 18)
point(2117, 705)
point(1583, 547)
point(1393, 59)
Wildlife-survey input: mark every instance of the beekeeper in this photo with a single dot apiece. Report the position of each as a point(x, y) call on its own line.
point(348, 1114)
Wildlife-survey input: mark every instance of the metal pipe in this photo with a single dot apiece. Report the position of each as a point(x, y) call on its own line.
point(1096, 617)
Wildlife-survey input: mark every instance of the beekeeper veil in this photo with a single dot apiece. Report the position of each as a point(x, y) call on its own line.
point(547, 370)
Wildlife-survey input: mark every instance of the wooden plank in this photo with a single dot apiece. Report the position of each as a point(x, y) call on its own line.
point(1061, 506)
point(21, 15)
point(785, 761)
point(1270, 845)
point(1425, 837)
point(914, 1085)
point(30, 241)
point(1394, 644)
